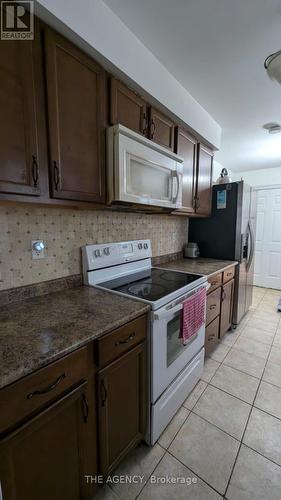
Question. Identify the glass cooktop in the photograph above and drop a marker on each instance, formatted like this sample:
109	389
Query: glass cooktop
152	284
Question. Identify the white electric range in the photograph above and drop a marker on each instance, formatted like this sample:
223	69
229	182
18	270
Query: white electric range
125	268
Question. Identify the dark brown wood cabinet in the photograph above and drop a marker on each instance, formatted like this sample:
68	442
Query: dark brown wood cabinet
219	307
213	305
23	158
161	129
186	147
76	118
127	108
48	456
122	406
226	307
212	335
204	180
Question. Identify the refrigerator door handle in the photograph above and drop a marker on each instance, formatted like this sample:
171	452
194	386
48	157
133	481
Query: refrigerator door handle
252	246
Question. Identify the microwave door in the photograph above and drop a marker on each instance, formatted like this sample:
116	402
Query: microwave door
150	183
143	172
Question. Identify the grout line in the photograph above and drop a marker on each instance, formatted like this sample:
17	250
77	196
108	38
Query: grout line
195	473
249	416
229	393
214	425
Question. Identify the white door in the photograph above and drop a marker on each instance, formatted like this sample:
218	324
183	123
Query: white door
268	239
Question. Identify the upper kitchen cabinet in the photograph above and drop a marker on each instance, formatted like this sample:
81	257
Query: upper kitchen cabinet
127	108
161	129
203	196
186	146
22	140
76	118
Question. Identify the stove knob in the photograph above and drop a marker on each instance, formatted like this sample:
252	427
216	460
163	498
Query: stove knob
106	251
140	246
97	253
145	246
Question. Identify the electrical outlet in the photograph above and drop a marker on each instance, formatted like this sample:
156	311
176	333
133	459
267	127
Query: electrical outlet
37	249
173	236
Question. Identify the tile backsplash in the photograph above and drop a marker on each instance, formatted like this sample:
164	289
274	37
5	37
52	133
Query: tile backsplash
65	230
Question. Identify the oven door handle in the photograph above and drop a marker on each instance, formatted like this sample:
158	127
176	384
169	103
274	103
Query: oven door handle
167	312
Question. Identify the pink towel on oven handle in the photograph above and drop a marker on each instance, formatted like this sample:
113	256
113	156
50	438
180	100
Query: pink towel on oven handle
193	315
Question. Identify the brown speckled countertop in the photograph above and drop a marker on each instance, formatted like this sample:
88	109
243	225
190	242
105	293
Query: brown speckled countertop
202	265
37	331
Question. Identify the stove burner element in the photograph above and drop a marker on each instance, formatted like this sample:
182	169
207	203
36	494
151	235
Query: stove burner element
145	289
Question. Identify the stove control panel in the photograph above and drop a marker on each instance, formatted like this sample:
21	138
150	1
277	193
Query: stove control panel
112	254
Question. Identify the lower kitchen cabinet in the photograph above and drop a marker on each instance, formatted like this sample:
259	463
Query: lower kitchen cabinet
213	305
48	456
122	407
212	335
219	307
226	307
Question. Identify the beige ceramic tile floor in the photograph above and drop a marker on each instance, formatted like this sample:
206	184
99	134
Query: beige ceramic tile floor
226	438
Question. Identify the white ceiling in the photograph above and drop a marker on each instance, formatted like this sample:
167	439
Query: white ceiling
216	50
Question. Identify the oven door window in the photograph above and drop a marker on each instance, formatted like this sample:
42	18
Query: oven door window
175	347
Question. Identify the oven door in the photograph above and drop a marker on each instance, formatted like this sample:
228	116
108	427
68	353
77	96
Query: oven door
168	354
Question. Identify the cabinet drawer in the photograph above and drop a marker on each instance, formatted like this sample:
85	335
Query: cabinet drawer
212	335
229	274
114	344
213	305
23	398
215	281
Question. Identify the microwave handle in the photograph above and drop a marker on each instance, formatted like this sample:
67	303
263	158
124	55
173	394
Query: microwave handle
175	175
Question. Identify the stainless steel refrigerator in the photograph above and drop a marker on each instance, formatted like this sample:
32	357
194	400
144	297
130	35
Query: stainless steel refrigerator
230	234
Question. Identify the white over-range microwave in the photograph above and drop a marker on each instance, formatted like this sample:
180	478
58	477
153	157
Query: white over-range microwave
140	172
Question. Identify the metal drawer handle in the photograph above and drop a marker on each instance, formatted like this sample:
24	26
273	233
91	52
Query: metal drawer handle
213	283
35	171
223	296
85	408
213	306
125	341
211	337
103	394
56	175
153	128
48	388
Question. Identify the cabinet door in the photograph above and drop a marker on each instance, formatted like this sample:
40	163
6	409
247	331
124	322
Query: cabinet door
213	305
76	103
226	307
22	138
122	406
161	129
127	108
204	180
48	457
186	146
212	335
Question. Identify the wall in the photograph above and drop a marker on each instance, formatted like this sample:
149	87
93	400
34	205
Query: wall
94	27
261	177
65	231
